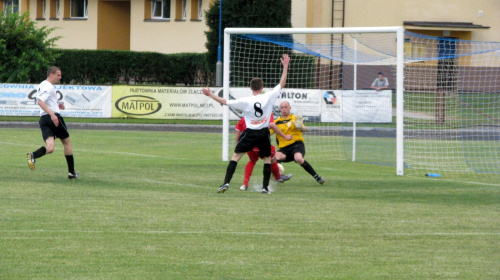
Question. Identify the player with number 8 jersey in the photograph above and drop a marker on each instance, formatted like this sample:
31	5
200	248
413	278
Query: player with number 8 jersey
257	110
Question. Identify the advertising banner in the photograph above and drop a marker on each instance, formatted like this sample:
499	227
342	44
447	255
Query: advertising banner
331	105
190	103
164	103
79	101
363	106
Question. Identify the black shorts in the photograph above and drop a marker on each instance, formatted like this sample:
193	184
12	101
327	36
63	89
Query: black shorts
290	150
49	129
250	139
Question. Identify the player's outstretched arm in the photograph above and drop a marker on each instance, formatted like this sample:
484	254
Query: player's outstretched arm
276	129
206	91
285	61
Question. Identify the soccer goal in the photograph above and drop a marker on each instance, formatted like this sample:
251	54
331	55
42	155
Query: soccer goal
434	110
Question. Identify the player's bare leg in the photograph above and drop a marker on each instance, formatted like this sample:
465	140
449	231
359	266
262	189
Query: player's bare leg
32	156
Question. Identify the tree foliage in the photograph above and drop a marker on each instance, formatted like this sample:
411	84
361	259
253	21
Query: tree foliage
25	50
244	13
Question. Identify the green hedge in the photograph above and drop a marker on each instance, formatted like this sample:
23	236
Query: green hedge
100	67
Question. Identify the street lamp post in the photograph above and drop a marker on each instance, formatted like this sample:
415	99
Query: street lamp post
218	66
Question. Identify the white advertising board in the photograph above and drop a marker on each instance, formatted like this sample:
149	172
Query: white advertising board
367	106
79	101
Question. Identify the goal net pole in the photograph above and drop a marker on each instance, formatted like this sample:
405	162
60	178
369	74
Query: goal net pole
399	31
225	94
400	60
355	88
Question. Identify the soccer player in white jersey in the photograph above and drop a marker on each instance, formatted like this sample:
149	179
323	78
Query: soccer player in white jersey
51	122
257	110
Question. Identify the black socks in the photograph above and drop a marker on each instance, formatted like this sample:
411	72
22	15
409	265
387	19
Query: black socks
40	152
267	176
309	169
231	167
71	164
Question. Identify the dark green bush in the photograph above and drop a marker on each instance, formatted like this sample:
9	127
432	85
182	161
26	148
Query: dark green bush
101	67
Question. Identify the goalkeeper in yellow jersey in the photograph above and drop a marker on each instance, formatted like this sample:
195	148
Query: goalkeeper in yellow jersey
294	149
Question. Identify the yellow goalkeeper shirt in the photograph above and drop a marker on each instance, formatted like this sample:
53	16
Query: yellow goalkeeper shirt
288	127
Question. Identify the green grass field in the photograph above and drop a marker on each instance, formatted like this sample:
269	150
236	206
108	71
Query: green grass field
146	207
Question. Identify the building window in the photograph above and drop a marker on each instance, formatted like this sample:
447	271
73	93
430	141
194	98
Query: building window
40	9
183	11
196	9
11	6
200	9
416	49
160	9
180	10
79	9
54	9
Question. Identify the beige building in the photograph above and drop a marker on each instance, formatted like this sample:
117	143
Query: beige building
477	20
173	26
168	26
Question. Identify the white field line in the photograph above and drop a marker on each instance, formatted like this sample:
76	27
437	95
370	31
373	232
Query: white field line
103	152
19	144
253	233
473	183
128	154
459	181
159	182
328	168
417	177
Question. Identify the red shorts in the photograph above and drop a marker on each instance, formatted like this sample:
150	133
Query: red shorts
254	154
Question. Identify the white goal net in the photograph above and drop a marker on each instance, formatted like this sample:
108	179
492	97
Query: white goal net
452	105
351	85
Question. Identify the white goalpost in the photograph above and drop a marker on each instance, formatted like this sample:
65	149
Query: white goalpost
436	115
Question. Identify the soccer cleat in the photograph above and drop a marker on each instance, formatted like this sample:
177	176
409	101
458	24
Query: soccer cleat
320	180
31	161
284	178
73	175
264	191
243	188
223	188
